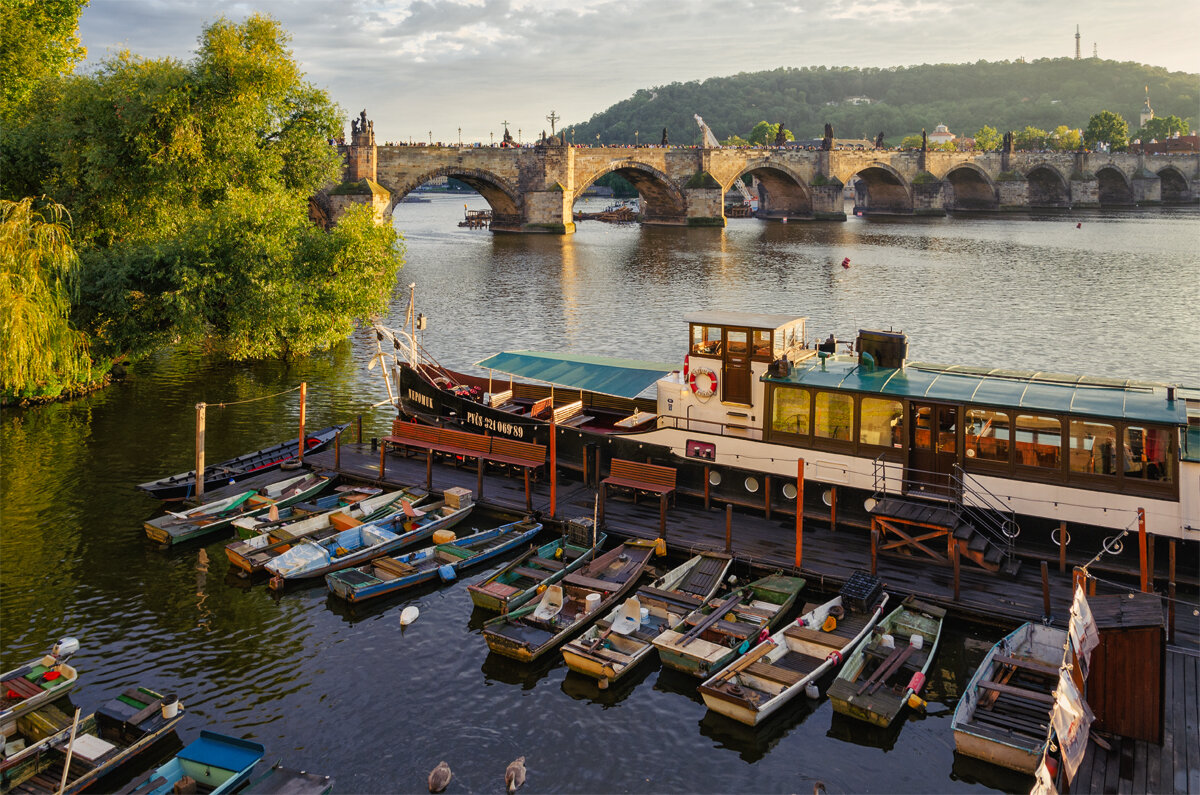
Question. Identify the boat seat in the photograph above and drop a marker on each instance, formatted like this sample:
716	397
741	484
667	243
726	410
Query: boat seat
548	563
393	566
775	673
550	605
533	574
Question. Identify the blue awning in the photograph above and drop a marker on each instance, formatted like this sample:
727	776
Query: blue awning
625	378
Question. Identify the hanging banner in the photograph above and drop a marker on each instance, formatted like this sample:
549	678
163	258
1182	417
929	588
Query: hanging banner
1071	720
1085	636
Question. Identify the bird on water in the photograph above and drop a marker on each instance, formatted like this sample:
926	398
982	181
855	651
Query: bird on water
514	776
439	777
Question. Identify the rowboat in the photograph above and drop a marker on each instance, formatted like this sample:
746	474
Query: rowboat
566	607
708	640
250	555
533	572
37	682
213	517
774	672
281	780
344	498
387	575
311	559
183	485
119	730
217	762
902	645
1004	713
615	644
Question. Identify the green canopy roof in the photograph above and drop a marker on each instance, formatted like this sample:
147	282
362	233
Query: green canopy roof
625	378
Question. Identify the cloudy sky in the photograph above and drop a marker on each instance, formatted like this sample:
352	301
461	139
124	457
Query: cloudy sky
438	65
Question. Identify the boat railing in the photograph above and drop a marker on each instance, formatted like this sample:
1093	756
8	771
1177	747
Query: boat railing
730	429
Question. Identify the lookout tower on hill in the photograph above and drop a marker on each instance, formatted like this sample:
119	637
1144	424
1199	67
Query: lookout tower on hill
1147	111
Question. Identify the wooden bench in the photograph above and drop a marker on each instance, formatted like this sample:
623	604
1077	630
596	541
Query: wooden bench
564	413
392	566
1028	665
540	407
548	563
1020	692
498	399
639	477
775	673
533	574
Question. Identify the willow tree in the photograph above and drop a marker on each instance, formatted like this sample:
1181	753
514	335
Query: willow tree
39	348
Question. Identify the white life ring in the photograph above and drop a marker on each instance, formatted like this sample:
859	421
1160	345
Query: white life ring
703	382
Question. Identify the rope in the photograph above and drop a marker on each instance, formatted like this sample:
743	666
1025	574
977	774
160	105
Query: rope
251	400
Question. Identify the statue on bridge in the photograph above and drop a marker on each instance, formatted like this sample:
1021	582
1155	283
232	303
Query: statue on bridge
1008	143
664	140
361	126
827	143
924	141
879	140
781	136
507	140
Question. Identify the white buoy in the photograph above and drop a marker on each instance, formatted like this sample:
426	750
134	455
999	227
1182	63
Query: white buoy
409	615
812	691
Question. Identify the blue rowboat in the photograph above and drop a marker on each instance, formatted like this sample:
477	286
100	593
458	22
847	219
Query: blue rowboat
217	762
532	572
443	561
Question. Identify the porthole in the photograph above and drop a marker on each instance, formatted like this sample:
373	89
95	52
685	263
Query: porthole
869	503
714	478
827	497
789	490
751	484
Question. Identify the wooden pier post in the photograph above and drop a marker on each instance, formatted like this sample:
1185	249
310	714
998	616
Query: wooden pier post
833	515
303	409
479	478
429	469
707	494
954	554
553	468
1062	547
1171	591
1142	549
799	511
200	411
1045	590
874	545
382	459
359	423
728	528
337	450
767	494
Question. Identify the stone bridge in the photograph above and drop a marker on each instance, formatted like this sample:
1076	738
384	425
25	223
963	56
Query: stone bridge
533	189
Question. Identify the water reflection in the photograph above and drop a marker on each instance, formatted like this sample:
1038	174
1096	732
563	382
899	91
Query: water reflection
752	743
585	688
505	670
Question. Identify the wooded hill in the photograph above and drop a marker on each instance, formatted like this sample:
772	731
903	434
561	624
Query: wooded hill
1007	95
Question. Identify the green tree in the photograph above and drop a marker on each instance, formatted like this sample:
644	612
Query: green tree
1108	128
1030	139
987	139
910	142
764	134
735	140
1064	139
1163	127
39	348
38	41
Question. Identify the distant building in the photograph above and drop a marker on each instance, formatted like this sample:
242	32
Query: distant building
1176	143
858	100
1147	111
941	135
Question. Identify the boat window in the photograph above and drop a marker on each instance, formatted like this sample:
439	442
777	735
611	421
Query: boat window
834	416
1093	448
879	422
921	435
988	435
762	344
1039	441
947	430
706	340
737	342
790	410
1146	452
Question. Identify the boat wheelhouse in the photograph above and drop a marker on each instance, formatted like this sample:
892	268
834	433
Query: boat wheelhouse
1000	452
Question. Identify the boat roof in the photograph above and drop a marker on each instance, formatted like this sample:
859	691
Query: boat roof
223	751
720	317
1143	401
625	378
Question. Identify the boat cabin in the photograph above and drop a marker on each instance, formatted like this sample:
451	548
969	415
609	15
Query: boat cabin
730	351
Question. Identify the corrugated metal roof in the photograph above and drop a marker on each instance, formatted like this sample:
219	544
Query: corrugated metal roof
619	377
1143	401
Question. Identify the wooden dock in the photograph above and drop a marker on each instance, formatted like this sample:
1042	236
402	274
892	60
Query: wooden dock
829	557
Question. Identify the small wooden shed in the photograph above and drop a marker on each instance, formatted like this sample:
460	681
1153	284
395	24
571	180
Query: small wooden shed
1126	679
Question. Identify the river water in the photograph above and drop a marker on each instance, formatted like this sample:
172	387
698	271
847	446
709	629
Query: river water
351	694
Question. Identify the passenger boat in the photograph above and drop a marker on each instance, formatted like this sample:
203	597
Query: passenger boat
311	559
773	673
388	575
280	780
103	741
708	640
1006	455
217	763
889	666
534	571
565	608
614	645
176	528
1003	716
250	555
37	682
183	485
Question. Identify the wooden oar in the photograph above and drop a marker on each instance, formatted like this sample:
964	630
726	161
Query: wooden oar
711	619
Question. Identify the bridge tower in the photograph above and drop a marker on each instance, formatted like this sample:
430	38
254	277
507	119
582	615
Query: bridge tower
359	179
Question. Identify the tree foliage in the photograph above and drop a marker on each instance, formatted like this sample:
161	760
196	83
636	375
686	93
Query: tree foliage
765	133
38	41
38	270
1107	128
1162	127
988	139
1005	95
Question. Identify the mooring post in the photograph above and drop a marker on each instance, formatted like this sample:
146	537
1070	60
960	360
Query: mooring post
767	494
359	422
553	468
954	555
874	545
1062	547
728	528
429	469
1045	590
382	459
707	493
1142	549
833	513
1171	591
303	408
337	450
200	409
800	511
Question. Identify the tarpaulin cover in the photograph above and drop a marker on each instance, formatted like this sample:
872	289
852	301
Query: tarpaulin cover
617	377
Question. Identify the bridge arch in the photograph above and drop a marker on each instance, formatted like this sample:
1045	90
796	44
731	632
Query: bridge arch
782	192
1048	187
1113	188
883	190
503	197
1175	187
969	187
660	199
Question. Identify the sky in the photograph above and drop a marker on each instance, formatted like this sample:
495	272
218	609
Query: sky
423	68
